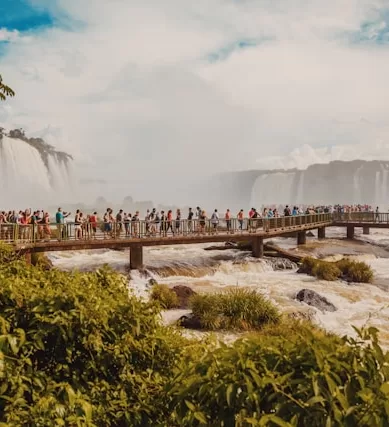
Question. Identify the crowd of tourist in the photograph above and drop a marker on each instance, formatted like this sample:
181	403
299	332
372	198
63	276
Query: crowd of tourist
153	223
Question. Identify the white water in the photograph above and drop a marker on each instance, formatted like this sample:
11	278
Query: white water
358	304
24	176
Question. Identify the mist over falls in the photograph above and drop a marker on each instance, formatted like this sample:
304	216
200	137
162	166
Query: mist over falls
32	172
350	182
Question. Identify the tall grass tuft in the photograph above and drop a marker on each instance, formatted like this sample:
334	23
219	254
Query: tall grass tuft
352	271
166	297
241	309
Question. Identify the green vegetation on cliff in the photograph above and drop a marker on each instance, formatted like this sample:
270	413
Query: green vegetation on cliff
79	349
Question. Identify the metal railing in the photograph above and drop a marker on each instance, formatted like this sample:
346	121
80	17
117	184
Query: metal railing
32	233
361	217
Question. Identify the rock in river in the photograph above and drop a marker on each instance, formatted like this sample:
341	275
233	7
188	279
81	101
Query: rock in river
190	322
314	299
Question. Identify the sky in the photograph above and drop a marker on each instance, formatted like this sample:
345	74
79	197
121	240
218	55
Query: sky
151	96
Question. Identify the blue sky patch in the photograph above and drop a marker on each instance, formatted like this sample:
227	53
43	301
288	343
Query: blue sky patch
225	51
22	16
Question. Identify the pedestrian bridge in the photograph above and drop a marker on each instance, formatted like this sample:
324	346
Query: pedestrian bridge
137	234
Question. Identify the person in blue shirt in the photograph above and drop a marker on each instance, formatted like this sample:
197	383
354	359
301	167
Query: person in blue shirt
60	220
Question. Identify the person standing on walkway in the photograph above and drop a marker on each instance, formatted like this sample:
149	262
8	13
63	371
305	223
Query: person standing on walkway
214	221
190	221
240	219
227	218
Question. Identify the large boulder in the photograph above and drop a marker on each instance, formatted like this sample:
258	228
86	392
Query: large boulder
314	299
184	293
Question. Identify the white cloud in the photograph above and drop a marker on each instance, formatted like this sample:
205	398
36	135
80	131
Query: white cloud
139	103
8	36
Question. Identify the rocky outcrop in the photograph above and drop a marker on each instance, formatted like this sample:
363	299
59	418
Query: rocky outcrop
44	149
316	300
184	293
190	322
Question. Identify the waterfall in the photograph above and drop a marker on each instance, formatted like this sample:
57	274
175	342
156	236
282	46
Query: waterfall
274	188
336	182
26	180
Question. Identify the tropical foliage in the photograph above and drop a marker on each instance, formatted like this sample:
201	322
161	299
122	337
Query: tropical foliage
5	90
77	349
300	377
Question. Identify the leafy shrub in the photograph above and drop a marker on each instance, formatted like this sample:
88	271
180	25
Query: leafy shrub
301	377
77	349
242	309
165	296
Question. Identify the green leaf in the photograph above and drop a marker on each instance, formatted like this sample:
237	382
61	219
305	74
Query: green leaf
200	417
229	393
190	405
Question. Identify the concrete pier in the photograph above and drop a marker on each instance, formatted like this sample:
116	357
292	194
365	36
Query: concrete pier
257	245
301	238
136	257
27	257
321	233
350	231
366	230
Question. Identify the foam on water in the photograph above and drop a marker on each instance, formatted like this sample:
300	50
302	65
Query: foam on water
357	304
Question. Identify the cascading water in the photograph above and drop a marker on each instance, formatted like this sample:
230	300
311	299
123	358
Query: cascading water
336	182
29	177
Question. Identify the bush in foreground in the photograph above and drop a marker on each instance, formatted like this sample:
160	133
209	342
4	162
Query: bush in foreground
77	349
352	271
165	296
242	309
296	376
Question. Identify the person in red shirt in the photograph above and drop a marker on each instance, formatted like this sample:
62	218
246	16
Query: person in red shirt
93	224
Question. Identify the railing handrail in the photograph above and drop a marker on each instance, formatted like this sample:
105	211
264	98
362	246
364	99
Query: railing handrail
31	233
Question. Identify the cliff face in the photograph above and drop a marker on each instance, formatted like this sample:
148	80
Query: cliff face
356	181
31	171
45	150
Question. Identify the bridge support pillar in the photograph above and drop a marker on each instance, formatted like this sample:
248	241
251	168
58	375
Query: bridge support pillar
257	245
321	233
301	238
350	232
366	230
136	257
27	257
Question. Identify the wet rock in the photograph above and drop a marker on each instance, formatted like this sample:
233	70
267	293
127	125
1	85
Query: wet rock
314	299
190	322
308	315
281	264
184	293
151	283
310	234
231	244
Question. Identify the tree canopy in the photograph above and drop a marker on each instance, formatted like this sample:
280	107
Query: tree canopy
5	91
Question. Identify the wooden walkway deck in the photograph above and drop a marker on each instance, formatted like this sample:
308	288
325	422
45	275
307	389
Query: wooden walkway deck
141	234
